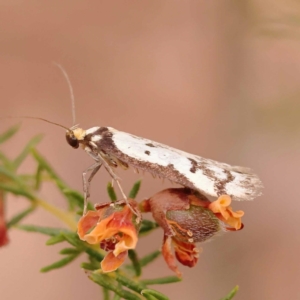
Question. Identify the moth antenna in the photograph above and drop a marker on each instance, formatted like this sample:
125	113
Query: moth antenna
70	88
41	119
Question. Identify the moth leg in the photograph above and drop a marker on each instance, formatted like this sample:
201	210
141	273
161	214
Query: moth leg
91	178
98	206
86	183
117	180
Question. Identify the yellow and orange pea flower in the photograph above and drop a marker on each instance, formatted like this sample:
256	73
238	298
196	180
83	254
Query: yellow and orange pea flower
186	217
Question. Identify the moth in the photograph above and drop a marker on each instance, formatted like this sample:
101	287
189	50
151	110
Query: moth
113	149
116	149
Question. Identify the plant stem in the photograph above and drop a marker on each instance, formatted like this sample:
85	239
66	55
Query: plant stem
61	215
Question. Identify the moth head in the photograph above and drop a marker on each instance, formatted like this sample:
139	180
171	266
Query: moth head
71	139
74	136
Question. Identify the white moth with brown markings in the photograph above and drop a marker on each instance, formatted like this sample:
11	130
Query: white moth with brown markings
113	148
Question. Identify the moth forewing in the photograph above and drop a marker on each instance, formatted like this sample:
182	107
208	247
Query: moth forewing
208	176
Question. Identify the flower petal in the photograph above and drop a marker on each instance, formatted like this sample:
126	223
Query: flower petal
100	232
111	262
220	205
234	219
186	253
128	241
168	255
225	213
87	222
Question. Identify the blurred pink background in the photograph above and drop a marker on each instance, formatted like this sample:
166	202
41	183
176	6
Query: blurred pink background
216	78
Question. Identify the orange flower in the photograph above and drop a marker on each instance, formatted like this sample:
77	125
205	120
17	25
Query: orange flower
188	217
113	227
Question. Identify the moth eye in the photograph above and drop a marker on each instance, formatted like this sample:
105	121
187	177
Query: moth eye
72	140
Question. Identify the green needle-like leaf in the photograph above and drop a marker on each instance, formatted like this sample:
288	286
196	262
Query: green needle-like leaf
55	240
147	226
16	190
46	166
129	283
94	262
9	133
116	297
135	189
154	293
76	198
59	182
68	251
42	161
107	282
17	218
95	254
88	266
7	163
149	258
162	280
231	293
31	144
44	230
111	192
73	239
28	180
138	287
105	293
59	264
10	175
135	262
149	297
38	177
133	285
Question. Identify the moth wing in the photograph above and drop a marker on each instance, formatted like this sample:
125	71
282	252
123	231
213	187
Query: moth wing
205	175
